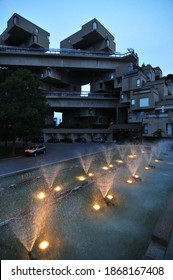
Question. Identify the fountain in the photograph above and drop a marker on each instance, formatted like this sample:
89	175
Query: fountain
53	216
86	162
27	228
133	162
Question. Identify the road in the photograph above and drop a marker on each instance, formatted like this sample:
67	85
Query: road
55	152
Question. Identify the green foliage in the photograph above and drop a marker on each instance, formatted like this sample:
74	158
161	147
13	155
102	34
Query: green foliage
22	106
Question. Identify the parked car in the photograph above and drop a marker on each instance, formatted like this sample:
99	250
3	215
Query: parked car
99	140
81	140
39	139
66	140
53	140
34	150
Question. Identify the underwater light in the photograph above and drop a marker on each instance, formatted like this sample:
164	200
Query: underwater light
43	245
129	181
58	188
147	168
96	207
109	196
81	178
105	167
41	195
119	161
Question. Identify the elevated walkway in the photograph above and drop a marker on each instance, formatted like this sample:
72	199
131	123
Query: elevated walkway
80	99
62	58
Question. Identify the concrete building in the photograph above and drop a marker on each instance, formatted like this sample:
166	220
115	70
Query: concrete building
23	33
124	100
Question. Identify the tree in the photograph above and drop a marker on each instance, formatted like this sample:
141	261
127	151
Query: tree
22	105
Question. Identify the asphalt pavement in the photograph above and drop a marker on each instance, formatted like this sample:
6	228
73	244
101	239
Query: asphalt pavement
56	152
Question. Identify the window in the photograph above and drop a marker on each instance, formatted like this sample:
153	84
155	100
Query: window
94	25
15	20
111	76
149	76
133	103
35	39
129	68
122	97
101	85
138	82
107	43
144	102
169	89
37	30
169	129
145	128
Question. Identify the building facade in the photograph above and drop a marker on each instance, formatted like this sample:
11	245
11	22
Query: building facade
124	100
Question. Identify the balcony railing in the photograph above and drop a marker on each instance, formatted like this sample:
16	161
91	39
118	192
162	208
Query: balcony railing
64	51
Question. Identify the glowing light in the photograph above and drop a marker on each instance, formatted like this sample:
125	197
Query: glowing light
105	167
132	156
96	207
43	245
129	181
147	168
119	160
136	176
58	188
41	195
109	196
90	174
110	165
156	160
81	178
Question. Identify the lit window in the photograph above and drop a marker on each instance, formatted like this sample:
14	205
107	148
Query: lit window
94	25
111	75
138	82
144	102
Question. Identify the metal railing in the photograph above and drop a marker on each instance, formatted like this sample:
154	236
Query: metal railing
64	51
82	94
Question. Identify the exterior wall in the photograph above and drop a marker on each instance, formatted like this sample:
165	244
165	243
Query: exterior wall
158	126
92	36
29	34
